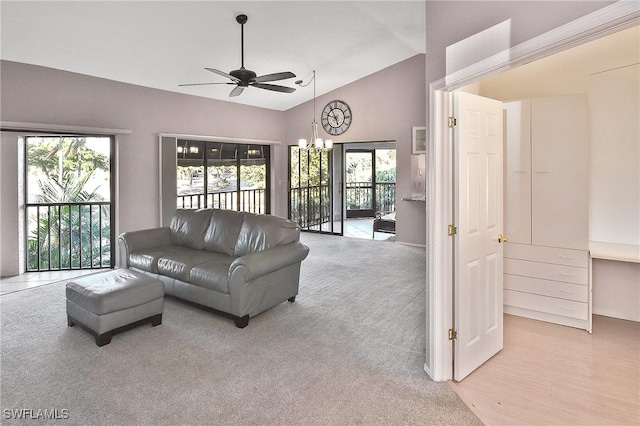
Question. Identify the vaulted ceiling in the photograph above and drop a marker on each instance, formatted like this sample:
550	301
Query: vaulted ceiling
162	44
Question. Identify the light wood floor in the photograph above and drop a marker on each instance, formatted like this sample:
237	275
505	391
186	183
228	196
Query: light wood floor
553	375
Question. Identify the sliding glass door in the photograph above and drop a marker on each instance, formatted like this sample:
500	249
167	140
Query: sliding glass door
311	202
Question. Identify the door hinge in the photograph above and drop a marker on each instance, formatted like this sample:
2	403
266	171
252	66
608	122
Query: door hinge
452	121
453	334
452	230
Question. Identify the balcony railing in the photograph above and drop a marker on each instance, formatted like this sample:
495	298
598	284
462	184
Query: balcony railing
359	196
66	236
310	206
385	196
251	200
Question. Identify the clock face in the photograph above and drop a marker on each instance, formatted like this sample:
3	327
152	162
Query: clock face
336	118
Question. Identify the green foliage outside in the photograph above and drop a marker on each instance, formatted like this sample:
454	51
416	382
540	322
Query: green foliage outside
57	158
310	203
310	181
385	165
220	178
67	170
222	185
310	168
359	176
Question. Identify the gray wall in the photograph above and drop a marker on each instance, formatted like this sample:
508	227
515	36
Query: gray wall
9	217
42	95
449	22
33	94
385	106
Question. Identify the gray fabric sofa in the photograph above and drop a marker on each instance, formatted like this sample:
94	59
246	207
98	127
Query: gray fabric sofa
238	263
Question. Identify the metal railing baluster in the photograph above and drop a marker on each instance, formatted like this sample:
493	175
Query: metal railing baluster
55	221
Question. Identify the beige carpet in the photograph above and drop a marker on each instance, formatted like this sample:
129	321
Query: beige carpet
350	350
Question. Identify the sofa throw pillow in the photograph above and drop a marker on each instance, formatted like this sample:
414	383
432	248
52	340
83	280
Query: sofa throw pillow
188	228
262	231
223	230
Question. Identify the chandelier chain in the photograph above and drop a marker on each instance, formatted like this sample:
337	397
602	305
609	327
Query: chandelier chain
315	141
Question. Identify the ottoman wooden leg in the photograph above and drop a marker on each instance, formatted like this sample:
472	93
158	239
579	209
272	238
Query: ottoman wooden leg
104	338
69	321
156	320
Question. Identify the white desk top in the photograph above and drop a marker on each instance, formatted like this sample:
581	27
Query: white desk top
615	251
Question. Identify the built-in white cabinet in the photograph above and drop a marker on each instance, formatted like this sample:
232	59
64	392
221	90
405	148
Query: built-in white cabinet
546	261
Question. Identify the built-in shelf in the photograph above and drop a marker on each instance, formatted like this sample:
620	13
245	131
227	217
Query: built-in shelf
615	251
423	199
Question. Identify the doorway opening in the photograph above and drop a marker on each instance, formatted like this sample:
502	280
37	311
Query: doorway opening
369	190
370	183
440	297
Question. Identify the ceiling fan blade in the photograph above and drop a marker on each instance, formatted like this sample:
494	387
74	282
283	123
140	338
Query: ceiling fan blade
274	77
274	87
200	84
236	91
223	74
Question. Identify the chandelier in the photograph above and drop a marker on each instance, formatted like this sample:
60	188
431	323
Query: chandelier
315	141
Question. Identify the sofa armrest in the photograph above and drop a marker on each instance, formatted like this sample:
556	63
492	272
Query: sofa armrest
130	242
263	262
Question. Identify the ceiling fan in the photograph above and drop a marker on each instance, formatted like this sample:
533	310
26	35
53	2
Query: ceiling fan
244	78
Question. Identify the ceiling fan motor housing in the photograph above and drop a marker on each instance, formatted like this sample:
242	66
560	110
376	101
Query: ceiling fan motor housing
244	75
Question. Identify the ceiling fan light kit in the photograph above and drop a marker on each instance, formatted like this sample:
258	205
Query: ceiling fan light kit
245	78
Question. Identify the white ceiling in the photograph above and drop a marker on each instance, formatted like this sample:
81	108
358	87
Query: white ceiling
162	44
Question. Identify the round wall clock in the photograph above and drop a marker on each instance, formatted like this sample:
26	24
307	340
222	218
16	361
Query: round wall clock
336	117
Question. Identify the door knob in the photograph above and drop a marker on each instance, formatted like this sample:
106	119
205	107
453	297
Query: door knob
502	239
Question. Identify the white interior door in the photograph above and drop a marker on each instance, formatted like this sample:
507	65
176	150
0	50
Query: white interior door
478	216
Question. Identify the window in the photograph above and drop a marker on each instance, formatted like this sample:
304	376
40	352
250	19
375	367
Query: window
235	176
68	193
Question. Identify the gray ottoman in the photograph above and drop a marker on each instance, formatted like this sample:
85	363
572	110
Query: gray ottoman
110	300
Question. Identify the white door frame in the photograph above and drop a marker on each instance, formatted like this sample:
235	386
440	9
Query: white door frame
608	20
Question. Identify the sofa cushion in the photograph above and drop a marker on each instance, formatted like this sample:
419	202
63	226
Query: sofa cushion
213	274
188	228
147	259
223	230
261	231
177	262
